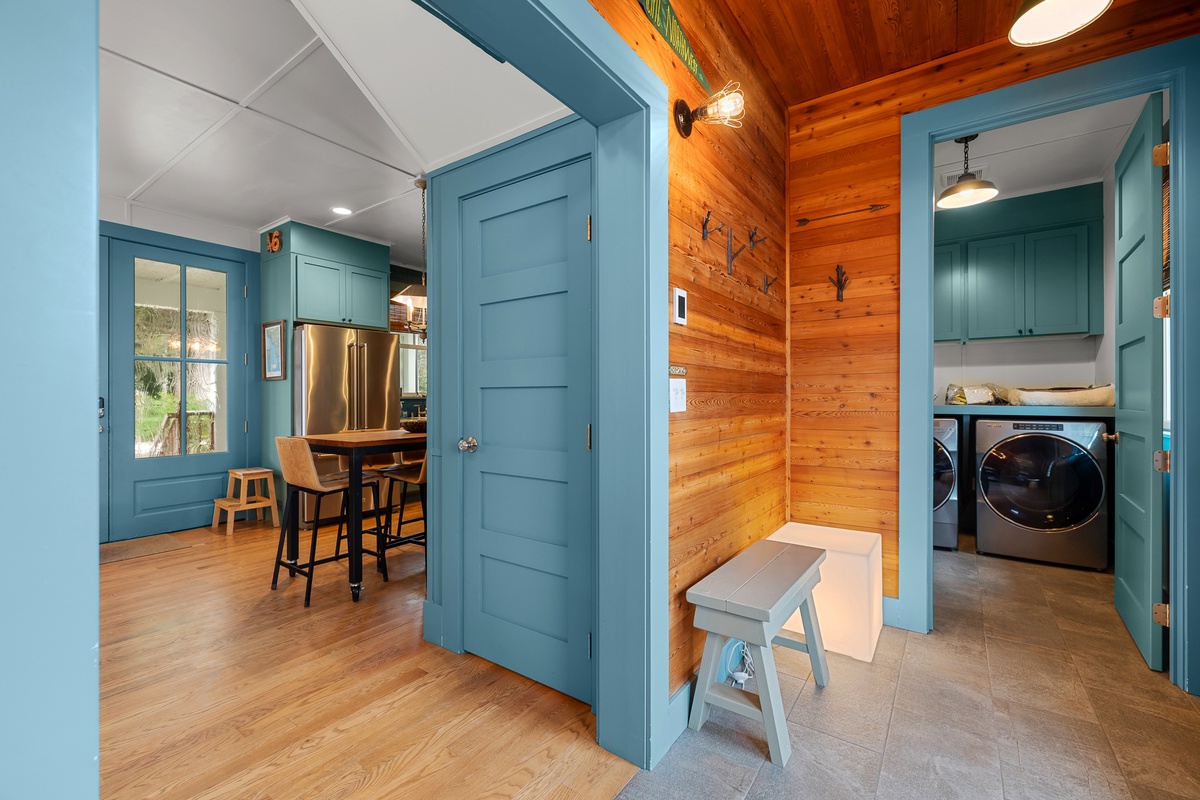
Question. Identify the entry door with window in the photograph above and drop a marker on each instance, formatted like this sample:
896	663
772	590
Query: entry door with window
177	404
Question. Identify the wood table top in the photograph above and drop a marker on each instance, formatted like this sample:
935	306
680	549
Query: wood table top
374	438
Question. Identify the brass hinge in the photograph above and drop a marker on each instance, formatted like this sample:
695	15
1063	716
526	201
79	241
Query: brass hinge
589	437
1162	614
1162	460
1162	306
589	227
1160	156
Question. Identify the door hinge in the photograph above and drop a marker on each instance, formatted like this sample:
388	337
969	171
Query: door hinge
246	358
1162	614
1162	460
1162	307
1160	155
589	645
245	426
589	436
245	291
589	227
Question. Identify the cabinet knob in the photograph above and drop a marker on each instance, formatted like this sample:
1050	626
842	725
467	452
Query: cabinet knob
1031	331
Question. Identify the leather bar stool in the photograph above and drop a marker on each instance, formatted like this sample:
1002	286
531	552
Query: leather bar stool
406	475
300	474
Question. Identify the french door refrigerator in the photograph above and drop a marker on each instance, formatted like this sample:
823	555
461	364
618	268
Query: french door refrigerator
343	379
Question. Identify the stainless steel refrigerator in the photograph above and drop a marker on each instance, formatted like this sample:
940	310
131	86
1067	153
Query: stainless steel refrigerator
343	379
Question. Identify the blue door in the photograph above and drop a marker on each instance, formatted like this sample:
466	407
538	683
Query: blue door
1138	557
176	410
527	388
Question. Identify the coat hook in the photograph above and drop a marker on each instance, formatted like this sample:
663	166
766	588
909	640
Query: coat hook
704	229
768	282
842	280
730	253
753	241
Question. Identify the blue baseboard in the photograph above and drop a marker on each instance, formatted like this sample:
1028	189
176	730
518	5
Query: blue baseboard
678	709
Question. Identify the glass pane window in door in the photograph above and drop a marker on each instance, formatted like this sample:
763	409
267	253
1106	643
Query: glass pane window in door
206	409
156	292
206	304
156	404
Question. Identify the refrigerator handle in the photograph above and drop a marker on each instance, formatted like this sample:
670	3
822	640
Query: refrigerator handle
352	383
365	418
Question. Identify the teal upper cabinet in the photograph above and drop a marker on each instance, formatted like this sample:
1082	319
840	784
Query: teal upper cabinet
996	288
315	275
948	300
1033	266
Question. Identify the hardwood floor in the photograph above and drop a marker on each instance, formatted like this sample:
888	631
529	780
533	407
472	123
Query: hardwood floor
214	686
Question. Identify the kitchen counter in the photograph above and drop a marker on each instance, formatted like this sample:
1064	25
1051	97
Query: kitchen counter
1024	411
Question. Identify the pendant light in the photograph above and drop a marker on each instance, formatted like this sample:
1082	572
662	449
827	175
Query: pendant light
1044	21
968	190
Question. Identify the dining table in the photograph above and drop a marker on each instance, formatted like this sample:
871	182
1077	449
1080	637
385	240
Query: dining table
355	446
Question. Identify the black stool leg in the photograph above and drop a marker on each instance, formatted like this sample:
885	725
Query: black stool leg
380	535
288	510
312	551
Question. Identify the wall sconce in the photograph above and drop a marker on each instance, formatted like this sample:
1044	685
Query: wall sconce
726	107
1044	21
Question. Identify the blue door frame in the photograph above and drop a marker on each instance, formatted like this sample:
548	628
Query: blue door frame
1175	67
571	51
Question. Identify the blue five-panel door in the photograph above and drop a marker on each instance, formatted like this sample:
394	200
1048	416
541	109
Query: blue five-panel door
176	409
526	327
1138	560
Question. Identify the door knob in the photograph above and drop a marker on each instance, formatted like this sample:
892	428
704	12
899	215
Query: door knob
1111	437
468	445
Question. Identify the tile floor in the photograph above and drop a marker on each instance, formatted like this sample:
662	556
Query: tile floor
1029	687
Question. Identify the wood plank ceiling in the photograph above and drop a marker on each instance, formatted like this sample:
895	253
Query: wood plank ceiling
816	47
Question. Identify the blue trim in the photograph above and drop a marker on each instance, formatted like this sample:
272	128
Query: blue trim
513	142
172	242
50	723
572	52
1175	67
102	352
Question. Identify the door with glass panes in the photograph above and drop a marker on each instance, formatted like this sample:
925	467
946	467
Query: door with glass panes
176	411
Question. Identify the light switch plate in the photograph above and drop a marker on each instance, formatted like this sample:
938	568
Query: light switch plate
679	307
678	394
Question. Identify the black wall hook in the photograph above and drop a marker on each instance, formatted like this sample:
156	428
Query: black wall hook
753	241
842	280
730	253
768	282
705	230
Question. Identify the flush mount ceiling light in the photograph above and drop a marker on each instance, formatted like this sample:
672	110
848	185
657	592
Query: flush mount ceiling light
1044	21
726	107
968	190
341	210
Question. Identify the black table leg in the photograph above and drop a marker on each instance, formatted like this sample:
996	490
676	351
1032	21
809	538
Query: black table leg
354	545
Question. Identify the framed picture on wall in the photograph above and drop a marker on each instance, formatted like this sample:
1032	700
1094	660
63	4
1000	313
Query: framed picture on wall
274	361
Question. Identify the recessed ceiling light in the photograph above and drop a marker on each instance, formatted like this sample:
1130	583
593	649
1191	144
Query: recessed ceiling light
341	210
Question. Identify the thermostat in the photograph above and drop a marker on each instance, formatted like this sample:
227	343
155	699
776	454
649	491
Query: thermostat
679	307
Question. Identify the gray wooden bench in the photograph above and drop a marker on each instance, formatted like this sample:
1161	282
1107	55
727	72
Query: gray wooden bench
750	597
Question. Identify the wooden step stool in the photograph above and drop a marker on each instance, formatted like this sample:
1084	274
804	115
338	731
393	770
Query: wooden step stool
246	479
750	597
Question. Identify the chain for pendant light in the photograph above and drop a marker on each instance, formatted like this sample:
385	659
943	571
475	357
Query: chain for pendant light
421	184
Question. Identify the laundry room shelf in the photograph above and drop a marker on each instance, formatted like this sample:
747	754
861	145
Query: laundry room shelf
1100	412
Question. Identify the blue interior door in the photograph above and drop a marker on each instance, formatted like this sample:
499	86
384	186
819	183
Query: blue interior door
526	326
176	408
1138	556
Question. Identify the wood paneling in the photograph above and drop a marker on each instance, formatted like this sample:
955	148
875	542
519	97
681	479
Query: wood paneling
728	451
844	153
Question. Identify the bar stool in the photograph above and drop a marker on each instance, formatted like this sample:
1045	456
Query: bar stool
406	475
300	474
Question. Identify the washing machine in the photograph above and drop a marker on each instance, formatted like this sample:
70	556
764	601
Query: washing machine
945	482
1041	490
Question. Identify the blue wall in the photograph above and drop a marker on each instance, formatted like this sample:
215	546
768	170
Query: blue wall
49	716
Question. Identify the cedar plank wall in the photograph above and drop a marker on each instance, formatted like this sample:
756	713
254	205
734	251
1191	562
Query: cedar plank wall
728	471
843	154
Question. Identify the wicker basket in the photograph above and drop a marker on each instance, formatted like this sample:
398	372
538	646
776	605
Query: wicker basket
413	425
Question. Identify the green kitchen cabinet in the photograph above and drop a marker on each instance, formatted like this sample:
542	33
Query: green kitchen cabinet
327	291
948	301
996	287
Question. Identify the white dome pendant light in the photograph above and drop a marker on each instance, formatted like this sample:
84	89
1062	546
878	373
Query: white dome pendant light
1044	21
968	190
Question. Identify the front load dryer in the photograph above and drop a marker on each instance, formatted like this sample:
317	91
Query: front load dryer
945	482
1042	490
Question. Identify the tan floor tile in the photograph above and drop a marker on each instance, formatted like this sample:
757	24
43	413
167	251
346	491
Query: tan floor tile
928	758
1157	745
1021	621
1037	676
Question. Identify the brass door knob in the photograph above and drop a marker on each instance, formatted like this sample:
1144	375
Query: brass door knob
1111	437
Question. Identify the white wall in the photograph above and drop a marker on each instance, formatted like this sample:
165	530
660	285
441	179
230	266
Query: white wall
1105	358
1041	363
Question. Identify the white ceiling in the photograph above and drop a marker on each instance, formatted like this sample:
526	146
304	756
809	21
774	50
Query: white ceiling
1055	152
220	118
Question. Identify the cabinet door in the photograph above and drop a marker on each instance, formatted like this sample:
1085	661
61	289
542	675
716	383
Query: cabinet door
948	302
1056	281
319	290
996	288
366	297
